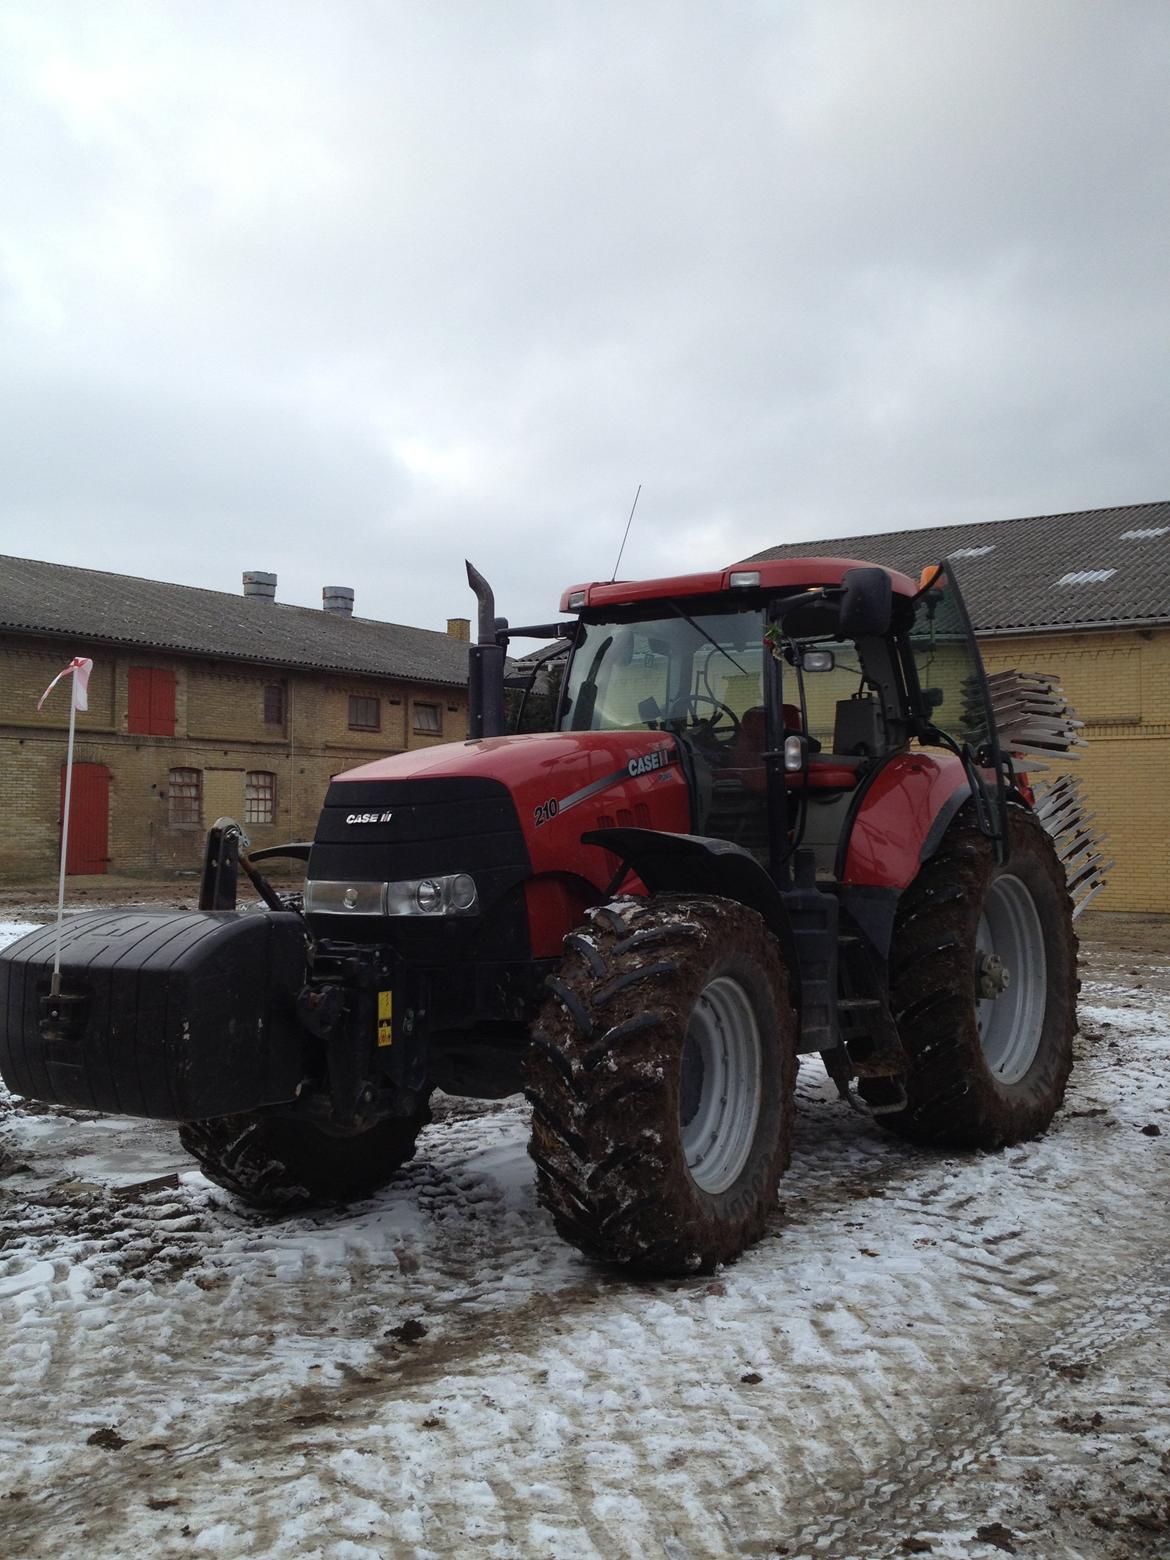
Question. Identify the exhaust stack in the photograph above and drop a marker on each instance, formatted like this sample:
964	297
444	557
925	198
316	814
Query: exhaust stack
485	678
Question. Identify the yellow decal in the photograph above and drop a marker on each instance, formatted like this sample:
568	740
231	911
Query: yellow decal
385	1018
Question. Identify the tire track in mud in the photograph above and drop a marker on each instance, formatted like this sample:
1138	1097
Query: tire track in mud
1023	1279
838	1435
117	1229
902	1492
863	1494
463	1330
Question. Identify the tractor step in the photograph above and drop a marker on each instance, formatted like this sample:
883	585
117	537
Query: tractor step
870	1044
867	1108
814	916
890	1107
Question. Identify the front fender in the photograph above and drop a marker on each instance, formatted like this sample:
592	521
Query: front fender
694	864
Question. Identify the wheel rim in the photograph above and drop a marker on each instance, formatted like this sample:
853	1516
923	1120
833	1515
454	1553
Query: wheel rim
719	1095
1009	943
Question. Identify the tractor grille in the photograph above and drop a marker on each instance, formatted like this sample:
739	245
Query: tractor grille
395	830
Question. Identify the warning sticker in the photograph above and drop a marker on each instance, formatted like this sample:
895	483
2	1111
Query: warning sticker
385	1018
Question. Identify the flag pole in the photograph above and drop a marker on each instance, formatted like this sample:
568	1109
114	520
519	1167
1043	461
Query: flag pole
55	984
78	669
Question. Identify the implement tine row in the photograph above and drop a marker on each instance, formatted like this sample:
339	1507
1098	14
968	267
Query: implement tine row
1060	807
1032	714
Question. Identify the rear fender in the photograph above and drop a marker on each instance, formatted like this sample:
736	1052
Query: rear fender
902	817
694	864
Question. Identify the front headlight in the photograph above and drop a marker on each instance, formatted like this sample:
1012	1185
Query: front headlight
344	898
453	894
463	893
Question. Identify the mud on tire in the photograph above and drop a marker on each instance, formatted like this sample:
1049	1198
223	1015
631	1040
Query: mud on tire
668	1037
278	1162
986	1072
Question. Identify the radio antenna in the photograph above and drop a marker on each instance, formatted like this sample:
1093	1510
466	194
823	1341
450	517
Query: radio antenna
622	548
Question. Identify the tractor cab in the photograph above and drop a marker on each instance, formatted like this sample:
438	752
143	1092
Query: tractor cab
787	687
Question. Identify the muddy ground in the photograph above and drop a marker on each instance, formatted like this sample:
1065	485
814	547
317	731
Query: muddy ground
961	1355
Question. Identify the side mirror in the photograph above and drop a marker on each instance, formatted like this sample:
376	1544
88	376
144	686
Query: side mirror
867	600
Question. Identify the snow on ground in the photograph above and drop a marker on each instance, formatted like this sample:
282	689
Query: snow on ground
957	1355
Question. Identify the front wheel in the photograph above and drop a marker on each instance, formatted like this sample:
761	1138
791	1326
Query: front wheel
281	1162
661	1076
983	988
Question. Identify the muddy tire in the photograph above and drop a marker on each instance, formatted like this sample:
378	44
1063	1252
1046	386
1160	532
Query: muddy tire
275	1162
661	1076
983	987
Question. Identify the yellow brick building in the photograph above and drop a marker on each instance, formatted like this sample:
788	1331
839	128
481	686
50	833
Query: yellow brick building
1119	684
201	705
1086	597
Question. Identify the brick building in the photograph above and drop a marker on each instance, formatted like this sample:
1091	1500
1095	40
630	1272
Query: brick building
200	704
1085	596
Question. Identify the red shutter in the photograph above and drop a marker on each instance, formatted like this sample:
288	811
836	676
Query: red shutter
162	703
89	818
151	711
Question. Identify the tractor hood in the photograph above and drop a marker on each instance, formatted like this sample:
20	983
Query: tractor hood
544	757
554	787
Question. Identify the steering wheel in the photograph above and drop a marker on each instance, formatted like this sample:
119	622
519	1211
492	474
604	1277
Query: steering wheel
716	728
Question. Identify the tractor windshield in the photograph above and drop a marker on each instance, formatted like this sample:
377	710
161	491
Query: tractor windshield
949	686
696	673
948	669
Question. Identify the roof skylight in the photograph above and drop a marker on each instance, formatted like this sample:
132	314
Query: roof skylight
973	552
1086	576
1145	533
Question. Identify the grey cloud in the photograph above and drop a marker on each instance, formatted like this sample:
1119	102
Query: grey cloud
382	285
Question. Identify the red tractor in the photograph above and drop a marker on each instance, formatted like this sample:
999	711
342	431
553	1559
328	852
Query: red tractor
772	818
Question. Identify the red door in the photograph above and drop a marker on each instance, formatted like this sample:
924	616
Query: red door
89	819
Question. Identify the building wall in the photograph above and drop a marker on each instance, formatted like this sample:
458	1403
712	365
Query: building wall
1119	683
220	731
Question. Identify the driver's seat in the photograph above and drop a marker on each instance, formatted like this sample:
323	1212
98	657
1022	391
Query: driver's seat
745	759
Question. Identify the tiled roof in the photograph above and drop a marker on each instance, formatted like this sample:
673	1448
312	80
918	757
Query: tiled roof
1096	568
88	605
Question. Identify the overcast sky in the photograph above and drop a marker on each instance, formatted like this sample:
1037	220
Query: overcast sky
350	290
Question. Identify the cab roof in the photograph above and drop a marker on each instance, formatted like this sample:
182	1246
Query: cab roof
774	574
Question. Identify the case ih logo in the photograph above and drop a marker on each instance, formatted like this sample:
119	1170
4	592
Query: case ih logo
376	817
649	762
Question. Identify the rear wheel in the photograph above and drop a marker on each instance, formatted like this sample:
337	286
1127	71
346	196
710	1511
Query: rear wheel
661	1077
983	987
280	1162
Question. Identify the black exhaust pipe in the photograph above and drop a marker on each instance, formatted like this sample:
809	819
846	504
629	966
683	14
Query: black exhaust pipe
485	679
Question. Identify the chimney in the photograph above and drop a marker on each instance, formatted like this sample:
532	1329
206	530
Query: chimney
459	628
262	586
337	598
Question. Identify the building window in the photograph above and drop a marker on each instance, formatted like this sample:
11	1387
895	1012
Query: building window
185	796
259	796
273	705
428	719
151	707
364	714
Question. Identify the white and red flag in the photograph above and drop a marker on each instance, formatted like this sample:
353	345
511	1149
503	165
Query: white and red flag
80	667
